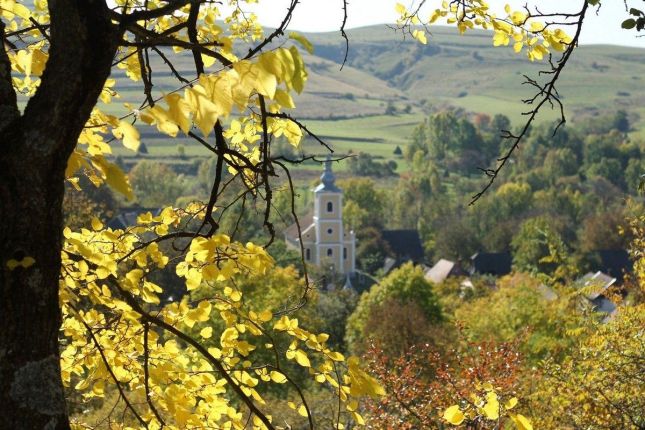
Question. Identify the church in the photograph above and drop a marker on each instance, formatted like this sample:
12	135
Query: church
324	240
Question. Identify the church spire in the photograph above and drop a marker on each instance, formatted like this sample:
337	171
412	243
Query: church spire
327	178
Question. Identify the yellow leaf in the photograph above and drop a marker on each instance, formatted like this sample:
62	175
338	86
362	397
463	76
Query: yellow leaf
206	332
521	422
454	415
25	263
491	408
284	98
199	314
115	178
299	74
178	111
303	411
219	89
193	279
161	117
208	60
278	377
360	382
129	135
205	113
400	9
510	404
302	359
518	18
265	81
75	162
96	224
28	262
420	35
336	356
303	41
38	61
500	38
265	316
229	335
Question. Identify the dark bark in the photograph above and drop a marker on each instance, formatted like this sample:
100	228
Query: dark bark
34	149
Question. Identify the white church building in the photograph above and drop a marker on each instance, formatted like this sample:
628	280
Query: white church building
325	241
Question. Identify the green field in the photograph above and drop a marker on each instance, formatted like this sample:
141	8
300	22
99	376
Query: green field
347	108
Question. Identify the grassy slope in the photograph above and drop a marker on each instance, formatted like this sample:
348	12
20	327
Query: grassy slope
452	70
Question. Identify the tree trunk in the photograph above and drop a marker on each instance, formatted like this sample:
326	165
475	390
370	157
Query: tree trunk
34	148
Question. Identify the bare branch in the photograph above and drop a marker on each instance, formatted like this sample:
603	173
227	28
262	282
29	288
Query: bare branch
344	34
547	93
277	32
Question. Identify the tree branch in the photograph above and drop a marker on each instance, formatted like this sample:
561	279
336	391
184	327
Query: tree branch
547	93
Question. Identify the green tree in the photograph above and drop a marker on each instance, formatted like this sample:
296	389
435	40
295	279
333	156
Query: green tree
538	248
598	385
364	204
519	309
371	250
156	185
403	285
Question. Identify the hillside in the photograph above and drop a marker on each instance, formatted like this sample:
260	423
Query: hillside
348	106
467	71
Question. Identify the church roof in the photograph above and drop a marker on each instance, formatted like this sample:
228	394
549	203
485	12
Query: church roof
328	179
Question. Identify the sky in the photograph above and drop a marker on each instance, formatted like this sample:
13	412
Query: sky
326	15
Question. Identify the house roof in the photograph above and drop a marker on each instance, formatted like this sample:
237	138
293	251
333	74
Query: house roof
306	222
440	271
547	292
388	265
128	217
595	284
492	263
603	304
615	262
405	244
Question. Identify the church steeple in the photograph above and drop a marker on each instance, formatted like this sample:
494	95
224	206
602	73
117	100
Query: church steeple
328	179
325	242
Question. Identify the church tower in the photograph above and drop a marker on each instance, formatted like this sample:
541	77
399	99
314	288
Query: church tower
324	239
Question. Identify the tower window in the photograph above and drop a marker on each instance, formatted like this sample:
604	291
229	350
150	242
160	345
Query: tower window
330	252
308	254
330	231
344	253
330	207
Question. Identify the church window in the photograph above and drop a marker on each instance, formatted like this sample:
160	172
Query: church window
308	254
344	253
329	252
330	207
330	231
